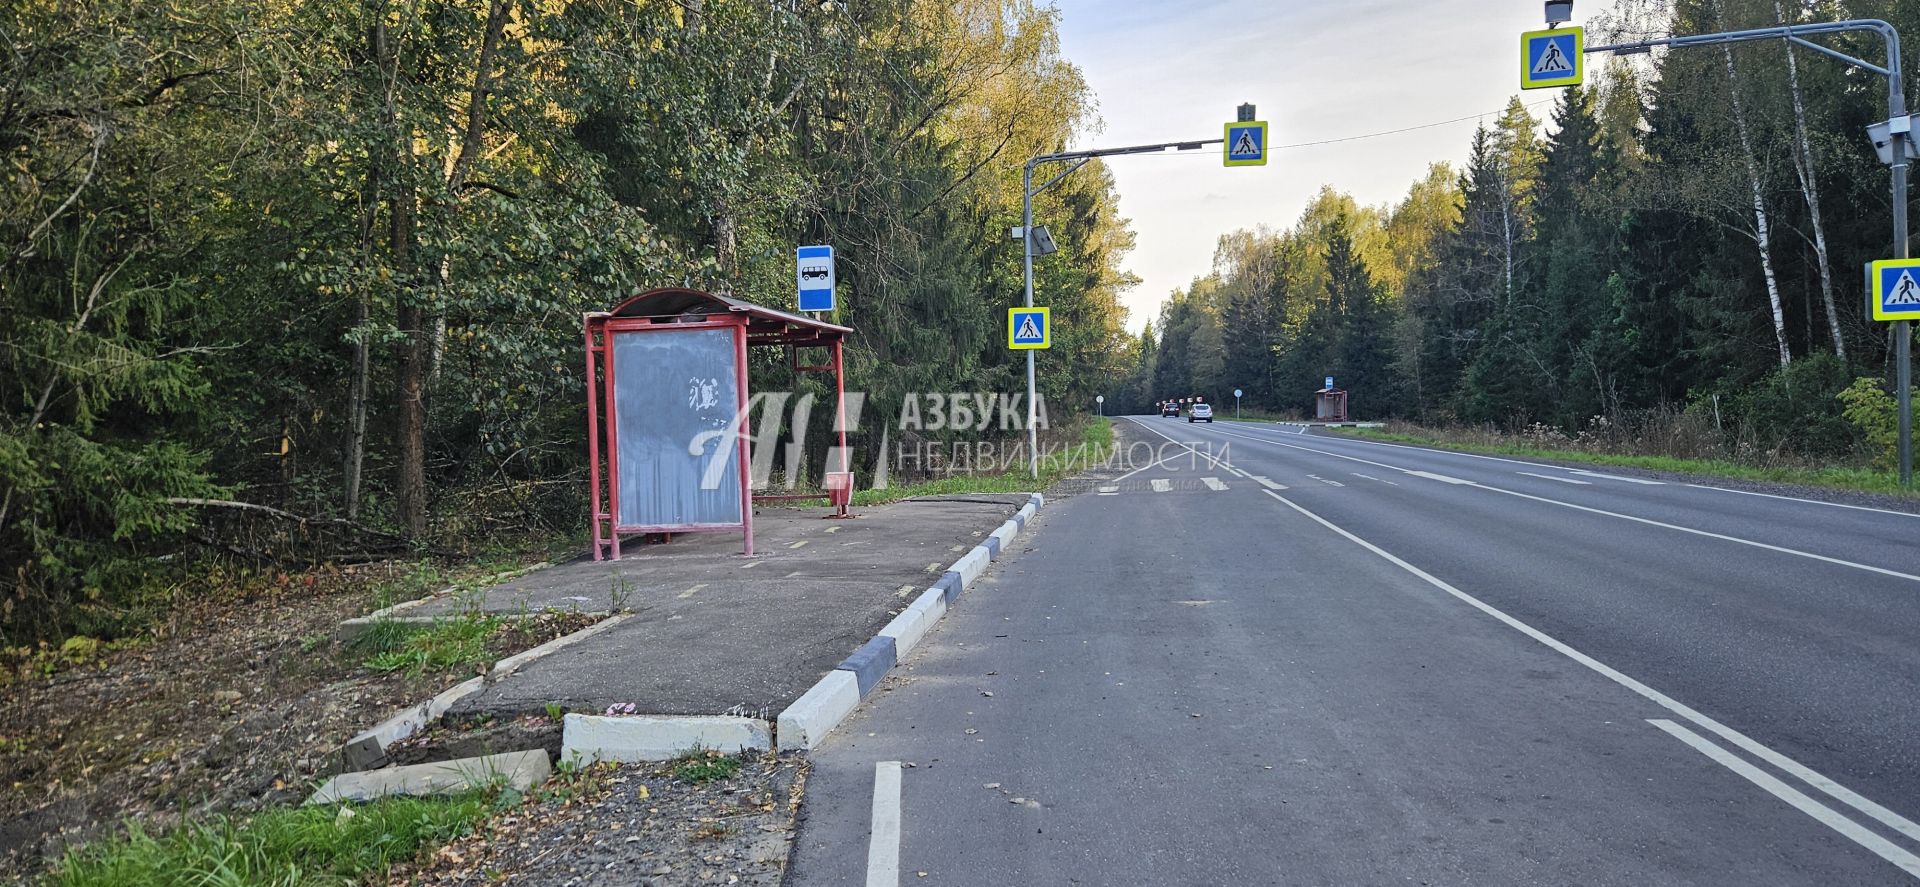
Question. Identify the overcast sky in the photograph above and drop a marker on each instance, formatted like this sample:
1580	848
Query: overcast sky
1316	69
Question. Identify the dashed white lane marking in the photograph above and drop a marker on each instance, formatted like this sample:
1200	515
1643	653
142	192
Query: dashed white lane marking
1109	490
883	843
1331	483
1441	478
1826	815
801	544
1630	480
1564	480
1161	485
692	591
1740	740
1374	479
1213	483
1267	483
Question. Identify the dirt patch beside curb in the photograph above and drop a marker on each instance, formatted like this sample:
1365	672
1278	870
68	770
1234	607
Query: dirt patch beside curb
635	826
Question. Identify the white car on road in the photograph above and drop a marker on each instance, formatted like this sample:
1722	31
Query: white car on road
1200	412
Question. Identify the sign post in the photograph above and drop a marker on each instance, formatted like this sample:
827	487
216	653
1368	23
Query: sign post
1077	159
1100	401
813	270
1236	404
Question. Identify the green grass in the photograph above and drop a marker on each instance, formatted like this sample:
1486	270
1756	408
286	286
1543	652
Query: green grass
282	848
443	645
702	766
1095	437
1836	478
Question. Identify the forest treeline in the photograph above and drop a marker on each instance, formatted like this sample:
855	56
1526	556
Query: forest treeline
1679	243
277	270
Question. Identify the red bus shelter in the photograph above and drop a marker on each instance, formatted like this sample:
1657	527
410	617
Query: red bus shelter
667	410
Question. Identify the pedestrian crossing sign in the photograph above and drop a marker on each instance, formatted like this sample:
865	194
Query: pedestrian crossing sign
1553	58
1246	143
1029	329
1896	289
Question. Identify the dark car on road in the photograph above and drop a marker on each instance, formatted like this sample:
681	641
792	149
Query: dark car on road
1170	409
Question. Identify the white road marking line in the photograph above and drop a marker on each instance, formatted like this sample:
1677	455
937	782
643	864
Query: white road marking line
1267	483
1331	483
1238	472
1211	460
1110	490
933	568
1792	767
692	591
1564	480
1807	501
1632	480
1375	479
801	544
1639	520
833	529
1214	484
751	564
883	843
1827	816
1442	478
1161	484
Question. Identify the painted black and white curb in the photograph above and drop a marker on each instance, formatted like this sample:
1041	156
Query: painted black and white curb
809	719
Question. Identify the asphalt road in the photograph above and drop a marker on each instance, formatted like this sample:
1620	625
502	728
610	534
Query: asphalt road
1328	661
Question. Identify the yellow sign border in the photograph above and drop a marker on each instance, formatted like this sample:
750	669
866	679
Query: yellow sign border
1879	310
1226	143
1046	328
1579	59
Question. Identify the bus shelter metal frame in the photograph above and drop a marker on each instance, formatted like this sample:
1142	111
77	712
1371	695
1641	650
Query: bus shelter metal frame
677	309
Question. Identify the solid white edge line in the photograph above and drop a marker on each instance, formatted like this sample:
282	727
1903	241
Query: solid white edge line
1800	771
1896	574
1825	815
1806	501
883	847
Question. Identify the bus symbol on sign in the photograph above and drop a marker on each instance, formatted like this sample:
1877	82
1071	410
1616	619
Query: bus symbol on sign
813	270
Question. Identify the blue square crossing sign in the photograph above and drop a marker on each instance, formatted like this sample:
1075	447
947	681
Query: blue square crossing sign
1246	144
1553	58
1896	289
1029	329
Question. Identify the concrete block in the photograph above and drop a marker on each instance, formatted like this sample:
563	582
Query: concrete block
520	770
993	546
806	723
589	738
1005	534
1037	501
913	623
972	565
1026	513
871	662
412	720
950	586
364	753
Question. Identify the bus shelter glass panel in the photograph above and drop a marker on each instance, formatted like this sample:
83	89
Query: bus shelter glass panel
676	410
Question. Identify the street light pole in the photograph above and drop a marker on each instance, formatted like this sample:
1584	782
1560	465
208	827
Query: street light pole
1898	136
1027	193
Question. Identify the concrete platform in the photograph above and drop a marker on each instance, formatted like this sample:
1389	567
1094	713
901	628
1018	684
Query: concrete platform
717	633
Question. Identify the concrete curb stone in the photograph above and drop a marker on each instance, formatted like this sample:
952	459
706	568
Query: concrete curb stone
587	739
521	770
806	723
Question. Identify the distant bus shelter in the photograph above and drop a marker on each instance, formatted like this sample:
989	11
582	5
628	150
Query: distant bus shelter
667	397
1330	405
